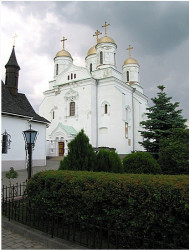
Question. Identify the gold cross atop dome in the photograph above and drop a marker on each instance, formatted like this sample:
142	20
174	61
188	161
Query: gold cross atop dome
129	49
14	39
105	26
63	40
97	33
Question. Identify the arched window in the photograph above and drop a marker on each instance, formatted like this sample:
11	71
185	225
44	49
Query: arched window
56	69
101	57
71	75
106	109
91	67
127	76
74	76
72	108
68	77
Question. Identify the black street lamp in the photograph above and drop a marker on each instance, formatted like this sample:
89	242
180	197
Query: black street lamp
30	137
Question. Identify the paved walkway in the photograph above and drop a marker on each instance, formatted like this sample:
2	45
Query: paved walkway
52	163
11	240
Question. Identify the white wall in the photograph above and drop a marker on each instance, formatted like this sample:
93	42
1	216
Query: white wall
16	155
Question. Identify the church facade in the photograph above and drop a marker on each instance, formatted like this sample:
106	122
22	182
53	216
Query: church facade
109	105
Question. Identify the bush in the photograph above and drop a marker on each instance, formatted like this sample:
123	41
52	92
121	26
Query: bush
108	161
174	152
144	206
81	155
141	162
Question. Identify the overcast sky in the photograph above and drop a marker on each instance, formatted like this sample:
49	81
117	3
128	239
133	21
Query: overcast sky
158	31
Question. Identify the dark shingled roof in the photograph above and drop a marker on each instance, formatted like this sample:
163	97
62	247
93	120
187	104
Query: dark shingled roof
12	60
18	105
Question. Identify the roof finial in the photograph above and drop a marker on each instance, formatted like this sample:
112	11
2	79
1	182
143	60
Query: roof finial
129	49
63	40
14	39
105	26
97	33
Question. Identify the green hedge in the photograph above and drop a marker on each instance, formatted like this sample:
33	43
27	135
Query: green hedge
147	206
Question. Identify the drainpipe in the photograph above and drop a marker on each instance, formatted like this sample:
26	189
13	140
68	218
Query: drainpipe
97	113
134	89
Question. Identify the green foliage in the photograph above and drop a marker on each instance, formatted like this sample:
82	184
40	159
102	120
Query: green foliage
81	155
146	206
108	161
141	163
161	118
11	174
174	152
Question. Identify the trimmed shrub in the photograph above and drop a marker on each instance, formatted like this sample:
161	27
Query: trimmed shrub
143	206
81	155
108	161
141	163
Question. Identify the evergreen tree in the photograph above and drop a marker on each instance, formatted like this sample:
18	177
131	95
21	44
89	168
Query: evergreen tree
162	117
81	155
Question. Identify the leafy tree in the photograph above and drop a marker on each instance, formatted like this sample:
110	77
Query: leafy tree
174	152
141	163
162	117
81	155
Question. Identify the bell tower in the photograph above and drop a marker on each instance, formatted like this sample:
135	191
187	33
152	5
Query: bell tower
12	73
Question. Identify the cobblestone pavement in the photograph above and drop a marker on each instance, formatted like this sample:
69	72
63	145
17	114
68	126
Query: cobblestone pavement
12	240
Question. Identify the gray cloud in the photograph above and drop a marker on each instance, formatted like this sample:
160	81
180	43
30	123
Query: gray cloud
158	31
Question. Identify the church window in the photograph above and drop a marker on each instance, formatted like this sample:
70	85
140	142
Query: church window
126	130
74	76
101	57
71	76
72	108
56	69
68	77
106	109
91	67
53	114
127	76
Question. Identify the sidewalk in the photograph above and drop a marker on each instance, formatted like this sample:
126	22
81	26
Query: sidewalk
18	236
52	163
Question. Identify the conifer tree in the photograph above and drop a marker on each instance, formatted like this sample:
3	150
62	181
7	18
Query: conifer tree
161	118
81	155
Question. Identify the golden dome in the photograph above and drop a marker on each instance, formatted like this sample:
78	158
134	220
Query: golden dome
63	52
91	51
106	39
130	60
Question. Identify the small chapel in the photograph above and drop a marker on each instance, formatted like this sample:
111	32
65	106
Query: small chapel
108	104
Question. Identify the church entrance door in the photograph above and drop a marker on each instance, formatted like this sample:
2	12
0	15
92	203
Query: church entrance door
61	148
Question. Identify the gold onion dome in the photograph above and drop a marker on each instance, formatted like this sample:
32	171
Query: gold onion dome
130	60
62	53
91	51
106	39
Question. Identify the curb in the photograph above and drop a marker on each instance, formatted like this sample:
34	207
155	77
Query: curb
38	236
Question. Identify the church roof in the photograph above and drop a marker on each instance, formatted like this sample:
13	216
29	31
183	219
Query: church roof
12	60
106	39
130	60
62	53
18	105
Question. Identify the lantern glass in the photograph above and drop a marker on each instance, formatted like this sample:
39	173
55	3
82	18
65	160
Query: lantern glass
30	135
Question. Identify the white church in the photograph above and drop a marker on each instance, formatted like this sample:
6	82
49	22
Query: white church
108	104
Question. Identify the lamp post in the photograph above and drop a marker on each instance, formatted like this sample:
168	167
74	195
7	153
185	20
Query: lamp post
30	137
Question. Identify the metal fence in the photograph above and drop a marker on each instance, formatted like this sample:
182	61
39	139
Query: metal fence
13	192
91	234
